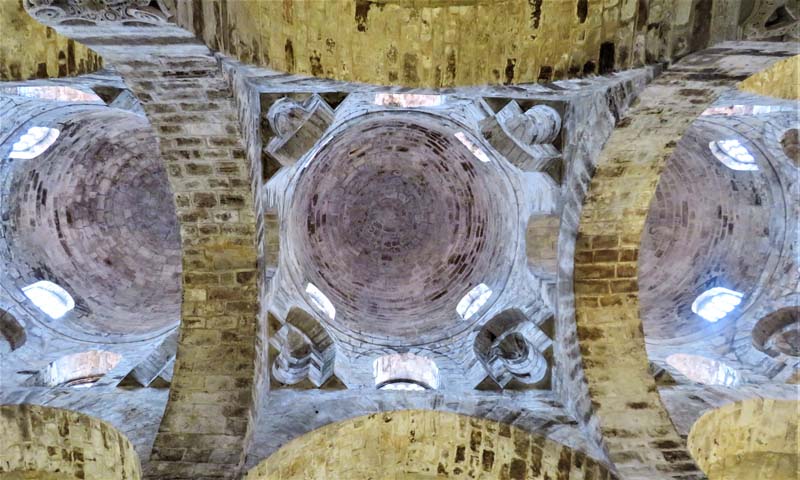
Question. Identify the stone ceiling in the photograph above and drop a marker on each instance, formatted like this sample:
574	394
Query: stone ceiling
333	236
397	220
703	217
95	216
456	43
401	219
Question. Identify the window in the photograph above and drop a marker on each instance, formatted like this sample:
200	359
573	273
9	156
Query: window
35	141
703	370
66	94
714	304
473	301
730	110
320	300
733	154
405	371
476	150
407	100
49	298
78	370
404	386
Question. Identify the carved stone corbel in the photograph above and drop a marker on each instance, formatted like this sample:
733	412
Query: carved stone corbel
304	350
526	138
297	127
515	351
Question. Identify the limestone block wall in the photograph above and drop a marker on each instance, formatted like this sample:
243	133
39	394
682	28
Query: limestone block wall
425	444
781	80
28	49
755	438
439	43
42	442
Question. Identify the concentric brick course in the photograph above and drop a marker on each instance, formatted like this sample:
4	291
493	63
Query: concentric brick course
94	214
395	221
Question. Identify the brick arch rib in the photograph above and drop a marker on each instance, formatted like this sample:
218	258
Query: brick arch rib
205	426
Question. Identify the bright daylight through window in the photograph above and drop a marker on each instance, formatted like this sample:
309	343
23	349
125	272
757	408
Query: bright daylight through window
733	154
714	304
49	298
320	300
473	301
34	142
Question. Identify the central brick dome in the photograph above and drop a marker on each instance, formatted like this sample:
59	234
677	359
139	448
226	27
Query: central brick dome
395	219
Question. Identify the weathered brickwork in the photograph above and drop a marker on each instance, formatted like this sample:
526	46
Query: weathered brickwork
48	441
592	108
424	444
190	107
583	146
302	411
780	80
751	439
276	181
639	435
31	50
437	43
703	216
81	202
686	403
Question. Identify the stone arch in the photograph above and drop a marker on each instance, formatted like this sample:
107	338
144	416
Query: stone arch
11	330
369	33
755	438
180	87
50	443
30	50
626	407
390	445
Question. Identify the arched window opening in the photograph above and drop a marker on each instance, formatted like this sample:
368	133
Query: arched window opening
60	93
729	110
405	371
479	153
408	100
79	370
321	301
716	303
733	154
403	386
541	244
33	143
703	370
49	298
473	301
